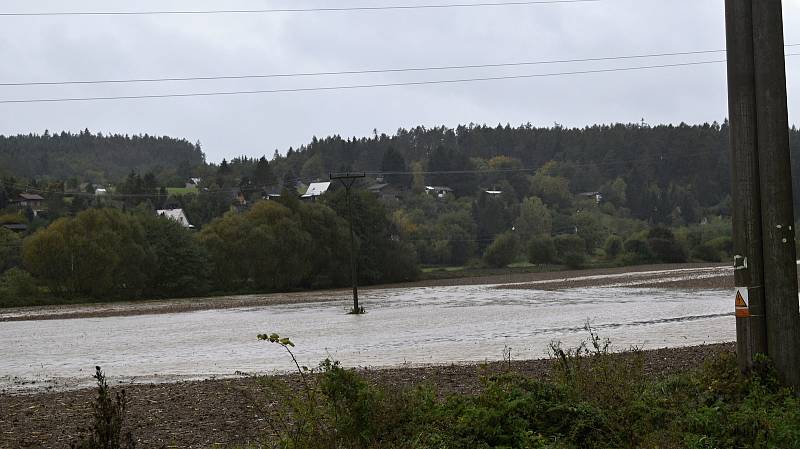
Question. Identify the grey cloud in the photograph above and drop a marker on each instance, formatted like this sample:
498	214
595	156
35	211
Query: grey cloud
77	48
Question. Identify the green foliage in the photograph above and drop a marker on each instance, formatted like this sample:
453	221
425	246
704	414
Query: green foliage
591	229
613	246
10	249
393	161
180	264
97	158
534	219
17	287
503	251
593	399
706	253
267	245
664	247
637	251
722	244
571	250
381	257
493	214
541	250
553	190
108	429
99	253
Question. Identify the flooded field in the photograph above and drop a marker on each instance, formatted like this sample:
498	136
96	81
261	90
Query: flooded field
425	325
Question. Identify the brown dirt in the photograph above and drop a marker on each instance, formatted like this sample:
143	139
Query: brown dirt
220	413
560	279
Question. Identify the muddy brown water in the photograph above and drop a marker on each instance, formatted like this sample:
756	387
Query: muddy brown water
403	326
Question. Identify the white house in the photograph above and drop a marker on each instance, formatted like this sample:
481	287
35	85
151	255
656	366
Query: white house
438	191
192	183
597	196
316	189
177	215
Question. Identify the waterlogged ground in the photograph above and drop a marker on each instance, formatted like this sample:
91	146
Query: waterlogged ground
421	325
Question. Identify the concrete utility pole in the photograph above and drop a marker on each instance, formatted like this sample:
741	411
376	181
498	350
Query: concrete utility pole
777	211
751	332
762	187
348	180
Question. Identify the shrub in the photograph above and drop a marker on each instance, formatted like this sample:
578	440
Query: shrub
664	247
17	286
594	399
108	427
722	244
571	250
613	247
541	250
503	250
637	250
706	253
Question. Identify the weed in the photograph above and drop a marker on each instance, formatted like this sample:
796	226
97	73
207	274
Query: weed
108	428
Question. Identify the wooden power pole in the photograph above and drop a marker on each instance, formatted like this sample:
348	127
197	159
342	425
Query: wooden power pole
348	180
751	332
777	211
768	320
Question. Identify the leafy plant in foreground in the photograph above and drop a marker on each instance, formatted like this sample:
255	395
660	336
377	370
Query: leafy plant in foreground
108	428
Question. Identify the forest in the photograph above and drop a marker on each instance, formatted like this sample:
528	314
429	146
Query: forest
432	198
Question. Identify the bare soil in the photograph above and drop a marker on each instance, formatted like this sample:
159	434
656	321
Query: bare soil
224	413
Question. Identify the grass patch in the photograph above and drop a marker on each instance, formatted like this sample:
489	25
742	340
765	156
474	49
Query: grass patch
181	190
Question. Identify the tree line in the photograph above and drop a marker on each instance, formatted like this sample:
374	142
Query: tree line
107	253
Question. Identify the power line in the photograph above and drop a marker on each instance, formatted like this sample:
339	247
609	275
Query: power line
358	72
297	10
351	72
359	86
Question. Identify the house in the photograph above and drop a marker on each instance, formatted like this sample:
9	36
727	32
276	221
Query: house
31	200
100	192
315	190
15	227
192	183
597	196
440	192
385	192
176	215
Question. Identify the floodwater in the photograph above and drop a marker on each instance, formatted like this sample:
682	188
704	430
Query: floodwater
432	325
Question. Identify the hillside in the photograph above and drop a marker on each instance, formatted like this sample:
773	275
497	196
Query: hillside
97	158
663	167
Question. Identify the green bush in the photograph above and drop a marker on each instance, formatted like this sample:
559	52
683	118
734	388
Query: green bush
16	287
722	244
636	250
665	247
593	399
707	253
571	250
541	250
503	251
613	247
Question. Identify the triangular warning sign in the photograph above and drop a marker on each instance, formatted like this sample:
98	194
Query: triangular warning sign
742	309
740	302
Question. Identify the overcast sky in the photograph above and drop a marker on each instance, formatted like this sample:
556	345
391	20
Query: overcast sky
79	48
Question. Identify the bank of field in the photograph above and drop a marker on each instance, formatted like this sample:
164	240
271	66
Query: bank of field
672	398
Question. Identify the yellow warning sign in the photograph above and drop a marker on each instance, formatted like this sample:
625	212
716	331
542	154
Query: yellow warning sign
742	302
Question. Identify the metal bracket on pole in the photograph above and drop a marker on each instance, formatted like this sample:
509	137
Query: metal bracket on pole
739	262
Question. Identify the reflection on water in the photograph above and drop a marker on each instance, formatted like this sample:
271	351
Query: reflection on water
417	325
